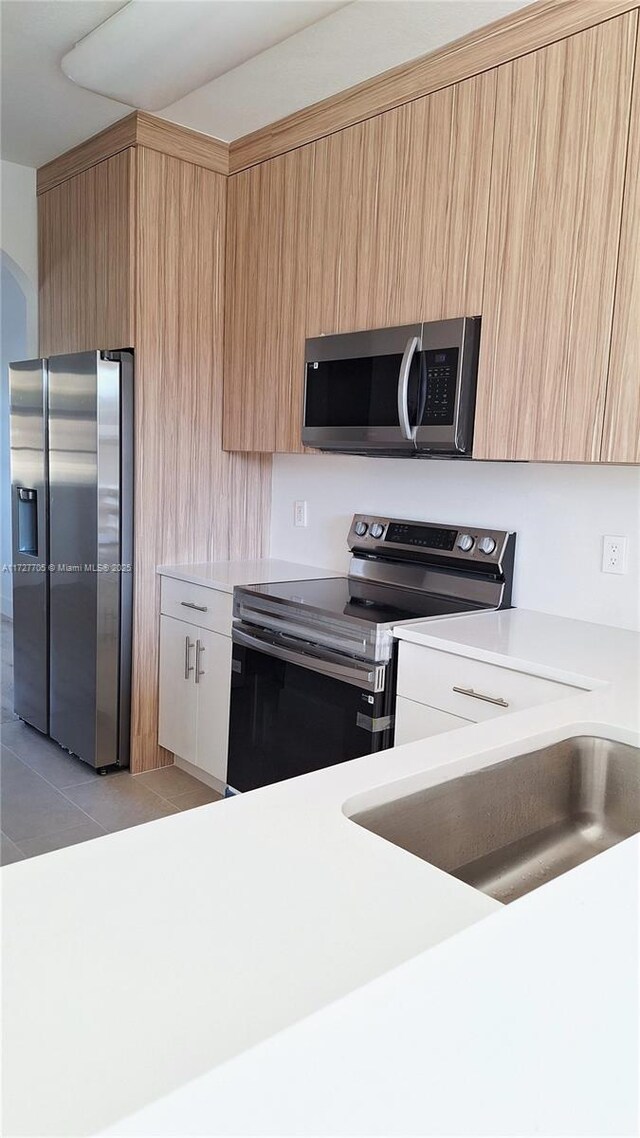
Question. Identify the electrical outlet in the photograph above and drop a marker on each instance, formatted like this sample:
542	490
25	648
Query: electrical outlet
299	513
614	554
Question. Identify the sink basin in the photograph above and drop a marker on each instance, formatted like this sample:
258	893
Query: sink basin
511	827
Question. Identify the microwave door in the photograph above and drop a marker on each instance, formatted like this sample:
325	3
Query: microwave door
352	391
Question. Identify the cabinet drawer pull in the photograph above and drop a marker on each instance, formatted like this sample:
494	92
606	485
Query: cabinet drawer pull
498	700
199	650
188	666
191	605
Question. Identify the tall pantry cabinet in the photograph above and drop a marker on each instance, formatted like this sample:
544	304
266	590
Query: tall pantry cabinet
132	255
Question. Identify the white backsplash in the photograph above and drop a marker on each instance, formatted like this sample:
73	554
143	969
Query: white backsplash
560	514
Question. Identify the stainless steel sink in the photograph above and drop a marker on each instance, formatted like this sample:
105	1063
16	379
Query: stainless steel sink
513	826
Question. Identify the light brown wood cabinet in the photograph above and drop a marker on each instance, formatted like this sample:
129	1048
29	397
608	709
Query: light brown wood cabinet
500	195
265	317
383	223
621	442
399	213
557	180
86	259
132	254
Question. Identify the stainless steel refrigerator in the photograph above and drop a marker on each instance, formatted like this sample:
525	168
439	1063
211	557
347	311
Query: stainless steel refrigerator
72	532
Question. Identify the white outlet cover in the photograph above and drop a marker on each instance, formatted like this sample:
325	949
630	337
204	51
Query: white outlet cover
614	553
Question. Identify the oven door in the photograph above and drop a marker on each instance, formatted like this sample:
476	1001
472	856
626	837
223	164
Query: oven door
297	708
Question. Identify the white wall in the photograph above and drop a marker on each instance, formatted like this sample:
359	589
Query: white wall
19	234
18	319
560	514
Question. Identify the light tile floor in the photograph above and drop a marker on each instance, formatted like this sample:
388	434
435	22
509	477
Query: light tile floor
49	800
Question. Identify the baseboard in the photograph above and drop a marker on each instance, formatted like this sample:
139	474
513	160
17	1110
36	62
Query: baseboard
197	772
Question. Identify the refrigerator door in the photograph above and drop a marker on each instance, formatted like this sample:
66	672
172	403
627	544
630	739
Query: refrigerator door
28	399
85	523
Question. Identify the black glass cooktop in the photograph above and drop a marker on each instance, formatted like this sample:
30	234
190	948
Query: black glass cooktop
345	597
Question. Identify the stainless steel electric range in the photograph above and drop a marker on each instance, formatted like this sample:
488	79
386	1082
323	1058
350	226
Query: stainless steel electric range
313	671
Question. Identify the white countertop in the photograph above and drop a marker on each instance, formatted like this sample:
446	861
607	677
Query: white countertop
524	1024
225	575
138	962
571	651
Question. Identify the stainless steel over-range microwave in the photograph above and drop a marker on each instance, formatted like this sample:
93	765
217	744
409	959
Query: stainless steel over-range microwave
404	391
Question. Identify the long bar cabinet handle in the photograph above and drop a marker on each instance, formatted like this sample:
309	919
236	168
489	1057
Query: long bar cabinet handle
199	650
188	666
498	700
191	605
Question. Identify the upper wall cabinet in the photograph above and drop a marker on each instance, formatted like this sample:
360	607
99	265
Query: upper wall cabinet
266	303
86	232
562	119
399	213
383	223
621	442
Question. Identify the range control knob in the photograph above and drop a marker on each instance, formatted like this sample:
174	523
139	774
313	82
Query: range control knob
465	542
377	530
361	528
486	545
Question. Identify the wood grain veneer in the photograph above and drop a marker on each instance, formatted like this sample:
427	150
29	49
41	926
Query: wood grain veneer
267	252
85	228
193	502
399	213
104	145
380	224
554	222
621	441
524	31
180	142
137	129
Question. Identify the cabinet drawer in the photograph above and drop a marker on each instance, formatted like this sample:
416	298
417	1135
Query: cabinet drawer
432	677
417	721
207	608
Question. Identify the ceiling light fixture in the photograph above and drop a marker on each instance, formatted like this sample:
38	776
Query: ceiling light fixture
152	52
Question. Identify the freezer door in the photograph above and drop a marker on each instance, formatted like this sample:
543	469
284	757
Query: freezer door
28	397
85	555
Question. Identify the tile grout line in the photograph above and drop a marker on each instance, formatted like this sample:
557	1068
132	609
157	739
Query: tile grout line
83	782
55	833
50	834
70	787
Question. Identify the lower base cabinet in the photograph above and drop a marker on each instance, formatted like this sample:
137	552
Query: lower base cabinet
195	687
178	694
460	690
214	695
417	721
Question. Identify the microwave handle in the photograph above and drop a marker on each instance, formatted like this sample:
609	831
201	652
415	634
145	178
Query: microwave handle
413	345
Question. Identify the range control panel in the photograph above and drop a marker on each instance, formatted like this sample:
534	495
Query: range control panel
463	543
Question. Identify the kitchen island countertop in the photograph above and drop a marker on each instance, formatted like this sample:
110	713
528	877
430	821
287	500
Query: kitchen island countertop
162	968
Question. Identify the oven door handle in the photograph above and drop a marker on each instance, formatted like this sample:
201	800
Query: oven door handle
369	677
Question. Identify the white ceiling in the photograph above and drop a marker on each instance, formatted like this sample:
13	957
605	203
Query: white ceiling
198	41
44	113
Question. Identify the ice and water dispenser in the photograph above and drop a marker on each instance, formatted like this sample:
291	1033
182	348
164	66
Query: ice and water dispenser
27	521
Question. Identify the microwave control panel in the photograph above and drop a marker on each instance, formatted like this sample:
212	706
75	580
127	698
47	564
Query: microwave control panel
441	366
